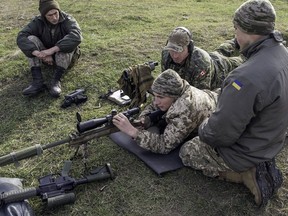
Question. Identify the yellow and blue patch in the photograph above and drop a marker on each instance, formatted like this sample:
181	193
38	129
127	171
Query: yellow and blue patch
238	85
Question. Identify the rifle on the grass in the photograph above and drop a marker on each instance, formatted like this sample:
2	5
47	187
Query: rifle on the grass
86	131
56	189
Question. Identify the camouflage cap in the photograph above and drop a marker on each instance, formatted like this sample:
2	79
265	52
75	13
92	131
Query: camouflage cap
168	83
178	39
255	17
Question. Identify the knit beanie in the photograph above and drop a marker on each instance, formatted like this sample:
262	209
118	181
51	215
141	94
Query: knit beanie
47	5
168	83
255	17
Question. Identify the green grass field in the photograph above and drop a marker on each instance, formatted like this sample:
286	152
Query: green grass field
117	34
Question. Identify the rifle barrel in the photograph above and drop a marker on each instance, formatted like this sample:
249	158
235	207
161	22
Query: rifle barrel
31	151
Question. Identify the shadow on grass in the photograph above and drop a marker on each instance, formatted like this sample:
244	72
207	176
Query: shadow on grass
16	109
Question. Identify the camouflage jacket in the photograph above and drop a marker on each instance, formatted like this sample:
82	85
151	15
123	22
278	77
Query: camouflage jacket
205	70
67	34
182	118
198	68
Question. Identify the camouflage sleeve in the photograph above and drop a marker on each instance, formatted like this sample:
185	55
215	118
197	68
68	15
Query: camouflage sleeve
164	59
204	70
148	109
180	123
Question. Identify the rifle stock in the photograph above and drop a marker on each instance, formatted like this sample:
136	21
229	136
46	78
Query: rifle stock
56	190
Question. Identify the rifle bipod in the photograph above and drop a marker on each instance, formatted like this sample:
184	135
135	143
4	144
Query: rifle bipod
84	149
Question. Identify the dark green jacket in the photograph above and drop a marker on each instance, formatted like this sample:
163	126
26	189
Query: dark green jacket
67	34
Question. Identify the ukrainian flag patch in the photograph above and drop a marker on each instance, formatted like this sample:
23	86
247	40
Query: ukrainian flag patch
236	84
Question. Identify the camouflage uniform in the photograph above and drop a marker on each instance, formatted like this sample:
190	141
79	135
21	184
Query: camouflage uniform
200	156
183	117
205	70
61	59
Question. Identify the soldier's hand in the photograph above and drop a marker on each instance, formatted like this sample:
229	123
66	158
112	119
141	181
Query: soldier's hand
124	125
48	60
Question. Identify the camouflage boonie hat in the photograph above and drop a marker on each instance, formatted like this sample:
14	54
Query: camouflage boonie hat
168	83
255	17
178	39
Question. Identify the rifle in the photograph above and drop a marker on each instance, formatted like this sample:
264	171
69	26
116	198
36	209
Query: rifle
55	190
86	131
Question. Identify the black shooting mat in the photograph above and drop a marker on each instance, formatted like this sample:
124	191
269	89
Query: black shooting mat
160	163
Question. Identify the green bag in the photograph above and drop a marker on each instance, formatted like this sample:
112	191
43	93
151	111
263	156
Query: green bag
136	80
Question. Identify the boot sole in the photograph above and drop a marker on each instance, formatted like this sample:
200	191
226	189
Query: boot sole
275	174
264	184
35	93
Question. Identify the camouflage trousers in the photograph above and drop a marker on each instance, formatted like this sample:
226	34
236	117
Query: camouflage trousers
200	156
229	48
226	58
60	59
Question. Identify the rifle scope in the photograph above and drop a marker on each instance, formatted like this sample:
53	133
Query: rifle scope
97	122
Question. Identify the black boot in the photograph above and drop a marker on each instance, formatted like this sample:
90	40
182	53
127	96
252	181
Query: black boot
55	88
275	175
37	84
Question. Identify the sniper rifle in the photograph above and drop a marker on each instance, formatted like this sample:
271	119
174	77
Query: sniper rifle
86	131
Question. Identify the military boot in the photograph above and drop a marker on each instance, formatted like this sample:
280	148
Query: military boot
258	181
55	88
37	84
275	174
231	176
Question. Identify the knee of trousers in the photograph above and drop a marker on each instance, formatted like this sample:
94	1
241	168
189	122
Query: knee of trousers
63	59
187	151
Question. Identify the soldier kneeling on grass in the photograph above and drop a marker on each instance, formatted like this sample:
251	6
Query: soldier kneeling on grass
51	38
240	140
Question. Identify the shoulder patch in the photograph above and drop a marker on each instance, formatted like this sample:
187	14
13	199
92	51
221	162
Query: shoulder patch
237	84
202	73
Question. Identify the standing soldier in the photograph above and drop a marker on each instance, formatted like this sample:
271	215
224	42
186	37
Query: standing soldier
51	38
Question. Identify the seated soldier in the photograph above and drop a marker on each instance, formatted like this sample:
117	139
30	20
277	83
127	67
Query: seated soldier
186	107
51	38
201	69
240	140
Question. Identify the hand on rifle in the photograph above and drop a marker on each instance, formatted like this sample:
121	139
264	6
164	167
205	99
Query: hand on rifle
124	125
